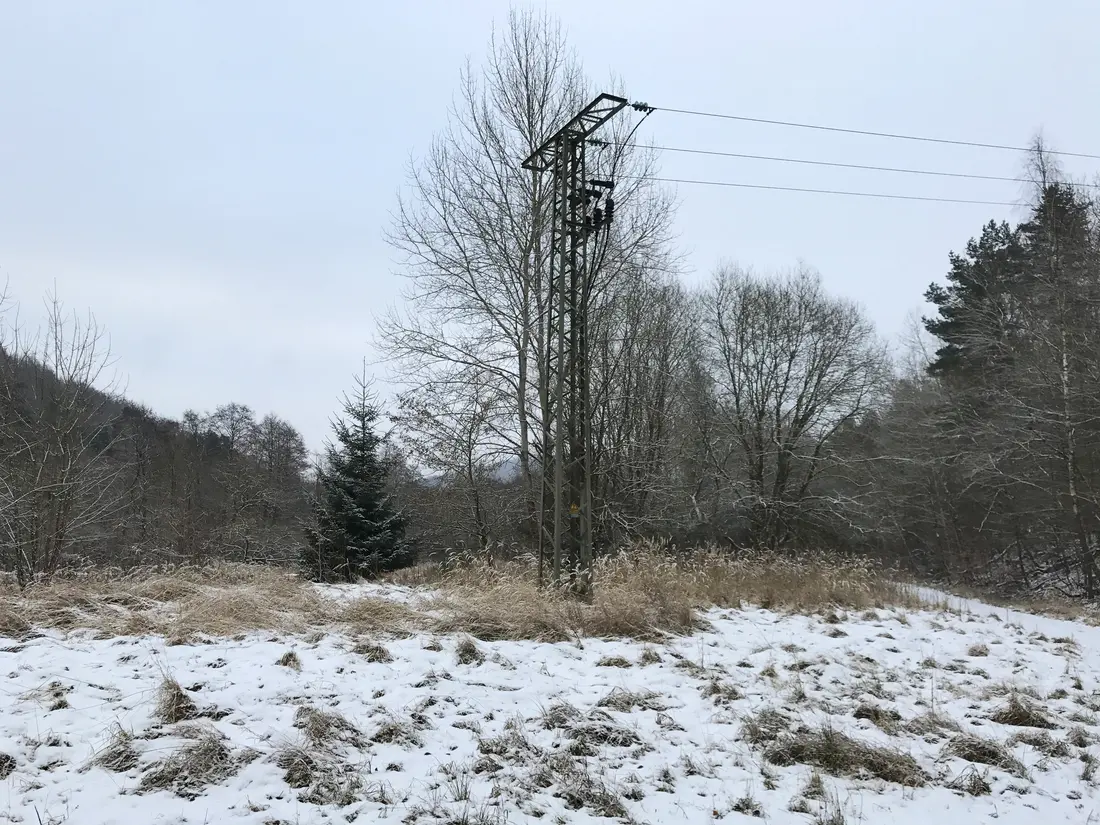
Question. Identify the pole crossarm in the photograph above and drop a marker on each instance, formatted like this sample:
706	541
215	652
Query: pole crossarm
584	123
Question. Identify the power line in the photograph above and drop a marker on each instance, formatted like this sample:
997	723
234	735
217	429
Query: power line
837	165
868	133
885	195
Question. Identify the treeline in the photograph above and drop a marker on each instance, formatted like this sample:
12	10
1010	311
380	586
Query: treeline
89	478
756	410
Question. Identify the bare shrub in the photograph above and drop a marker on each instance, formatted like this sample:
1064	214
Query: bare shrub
747	805
983	752
840	755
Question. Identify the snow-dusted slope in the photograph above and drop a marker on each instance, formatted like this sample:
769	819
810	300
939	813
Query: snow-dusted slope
718	726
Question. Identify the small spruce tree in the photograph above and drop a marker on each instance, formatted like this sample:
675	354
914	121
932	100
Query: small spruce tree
356	530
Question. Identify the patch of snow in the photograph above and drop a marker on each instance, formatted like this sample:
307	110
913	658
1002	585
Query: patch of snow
478	742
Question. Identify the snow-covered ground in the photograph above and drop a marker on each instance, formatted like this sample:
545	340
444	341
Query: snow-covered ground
717	726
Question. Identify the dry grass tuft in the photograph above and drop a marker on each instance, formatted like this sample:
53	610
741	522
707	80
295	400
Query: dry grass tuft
978	649
649	657
190	769
173	705
971	782
1042	742
325	780
468	653
748	806
625	701
887	719
7	765
560	715
984	752
1022	713
324	729
373	652
840	755
394	731
614	661
815	787
290	659
931	725
764	727
598	728
119	755
722	693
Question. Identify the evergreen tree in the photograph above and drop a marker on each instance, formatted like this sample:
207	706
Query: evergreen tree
356	531
976	317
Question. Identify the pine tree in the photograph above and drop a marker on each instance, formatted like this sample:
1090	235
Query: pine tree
975	319
356	530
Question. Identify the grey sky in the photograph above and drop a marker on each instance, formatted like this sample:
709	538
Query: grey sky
212	178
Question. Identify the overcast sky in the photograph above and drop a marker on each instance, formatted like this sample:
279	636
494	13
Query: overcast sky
212	178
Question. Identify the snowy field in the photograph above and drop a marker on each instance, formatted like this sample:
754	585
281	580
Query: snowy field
907	717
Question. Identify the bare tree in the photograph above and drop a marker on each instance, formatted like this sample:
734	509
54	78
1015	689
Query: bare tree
473	229
59	457
791	367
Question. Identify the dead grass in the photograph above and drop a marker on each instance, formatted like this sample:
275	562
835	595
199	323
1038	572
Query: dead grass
978	649
290	659
645	594
984	751
468	653
625	701
765	727
173	704
887	719
971	782
373	652
1042	742
325	729
840	755
216	600
189	770
931	725
1022	713
119	755
614	661
323	779
642	593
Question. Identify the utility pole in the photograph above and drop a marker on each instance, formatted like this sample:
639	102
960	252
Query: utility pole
581	209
